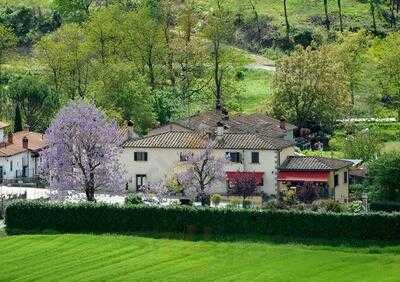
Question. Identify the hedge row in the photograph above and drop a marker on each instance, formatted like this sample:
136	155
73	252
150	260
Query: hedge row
385	206
36	216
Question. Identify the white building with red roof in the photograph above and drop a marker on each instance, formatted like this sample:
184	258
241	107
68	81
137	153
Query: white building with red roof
19	154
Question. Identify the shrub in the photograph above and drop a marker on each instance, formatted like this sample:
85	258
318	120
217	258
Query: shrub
333	206
384	177
355	207
27	216
247	204
216	199
271	205
287	197
327	206
234	203
133	199
385	206
356	191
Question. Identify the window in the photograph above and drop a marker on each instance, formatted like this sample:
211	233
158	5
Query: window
336	180
183	157
234	157
255	157
140	180
140	156
11	165
345	177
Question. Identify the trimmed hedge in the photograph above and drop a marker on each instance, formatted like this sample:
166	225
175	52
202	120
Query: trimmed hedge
385	206
26	216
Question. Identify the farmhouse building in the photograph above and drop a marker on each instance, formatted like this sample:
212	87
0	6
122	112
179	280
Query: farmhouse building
19	154
253	144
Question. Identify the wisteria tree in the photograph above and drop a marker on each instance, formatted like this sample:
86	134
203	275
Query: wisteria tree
82	153
202	172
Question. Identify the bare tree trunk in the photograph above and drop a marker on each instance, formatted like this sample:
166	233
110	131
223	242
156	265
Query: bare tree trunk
372	10
392	8
217	76
327	22
286	19
340	15
257	19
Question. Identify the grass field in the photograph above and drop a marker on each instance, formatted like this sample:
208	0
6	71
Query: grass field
256	88
99	258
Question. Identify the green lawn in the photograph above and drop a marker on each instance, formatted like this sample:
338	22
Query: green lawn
100	258
256	87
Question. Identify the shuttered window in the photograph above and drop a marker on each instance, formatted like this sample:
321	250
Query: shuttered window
140	156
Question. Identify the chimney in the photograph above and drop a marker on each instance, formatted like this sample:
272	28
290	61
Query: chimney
10	139
131	132
25	142
220	131
282	123
225	114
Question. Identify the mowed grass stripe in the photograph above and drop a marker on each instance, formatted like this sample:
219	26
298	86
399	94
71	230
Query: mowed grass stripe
121	258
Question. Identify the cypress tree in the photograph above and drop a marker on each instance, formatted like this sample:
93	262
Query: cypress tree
17	119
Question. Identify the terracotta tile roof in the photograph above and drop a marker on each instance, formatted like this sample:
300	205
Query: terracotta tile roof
267	126
313	163
35	143
196	140
3	125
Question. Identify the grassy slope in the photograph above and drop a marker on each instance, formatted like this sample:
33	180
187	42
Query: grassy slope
256	88
299	11
86	257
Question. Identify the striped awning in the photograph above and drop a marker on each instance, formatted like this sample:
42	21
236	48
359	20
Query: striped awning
303	176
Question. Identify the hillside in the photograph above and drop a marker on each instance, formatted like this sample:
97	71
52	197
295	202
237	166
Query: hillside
300	12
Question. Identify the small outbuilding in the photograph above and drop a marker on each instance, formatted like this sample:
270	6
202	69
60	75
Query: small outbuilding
329	176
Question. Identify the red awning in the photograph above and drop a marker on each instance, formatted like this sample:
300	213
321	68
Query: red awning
304	176
233	175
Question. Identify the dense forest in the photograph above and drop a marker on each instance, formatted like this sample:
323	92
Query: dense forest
151	61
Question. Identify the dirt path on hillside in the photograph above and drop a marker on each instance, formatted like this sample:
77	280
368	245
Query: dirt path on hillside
261	63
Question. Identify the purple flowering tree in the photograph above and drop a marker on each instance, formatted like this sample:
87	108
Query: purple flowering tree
245	185
82	153
202	172
155	192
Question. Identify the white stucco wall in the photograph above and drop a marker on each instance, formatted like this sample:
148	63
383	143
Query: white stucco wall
284	153
2	135
18	161
164	162
341	191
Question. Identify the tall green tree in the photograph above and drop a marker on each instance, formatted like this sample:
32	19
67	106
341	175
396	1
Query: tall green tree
311	88
36	103
218	31
384	177
74	10
351	49
68	59
17	119
384	58
104	34
7	41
